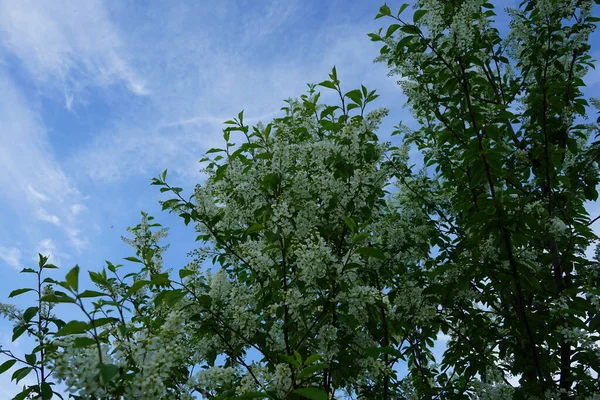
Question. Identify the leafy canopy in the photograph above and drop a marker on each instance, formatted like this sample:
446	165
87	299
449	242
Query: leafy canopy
337	264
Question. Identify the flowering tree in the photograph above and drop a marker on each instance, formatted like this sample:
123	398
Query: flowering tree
304	304
335	264
512	164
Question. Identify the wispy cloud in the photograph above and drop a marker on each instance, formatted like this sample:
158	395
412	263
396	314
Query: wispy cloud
33	183
66	44
198	84
47	247
11	256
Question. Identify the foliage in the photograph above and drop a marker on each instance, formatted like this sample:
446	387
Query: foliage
511	168
336	264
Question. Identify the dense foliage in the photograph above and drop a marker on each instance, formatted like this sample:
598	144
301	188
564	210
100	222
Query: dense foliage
335	267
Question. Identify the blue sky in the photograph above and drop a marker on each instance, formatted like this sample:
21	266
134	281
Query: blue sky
100	96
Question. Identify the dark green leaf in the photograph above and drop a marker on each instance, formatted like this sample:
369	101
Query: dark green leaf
20	374
350	224
402	8
6	365
328	84
384	11
371	252
391	29
28	271
29	313
312	393
418	15
137	285
355	95
72	278
311	370
30	358
108	372
359	237
73	327
137	260
46	391
185	272
91	293
254	228
83	341
252	395
18	292
18	331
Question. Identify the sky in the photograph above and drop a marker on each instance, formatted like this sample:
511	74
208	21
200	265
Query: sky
100	96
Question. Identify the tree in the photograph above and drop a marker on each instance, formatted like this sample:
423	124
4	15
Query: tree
512	164
336	263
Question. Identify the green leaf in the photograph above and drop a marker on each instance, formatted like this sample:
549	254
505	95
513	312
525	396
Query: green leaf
312	393
134	259
91	293
47	392
30	358
350	224
355	95
402	8
254	228
108	372
391	29
6	365
18	331
333	74
298	356
172	297
29	313
252	395
22	395
418	15
384	11
410	29
290	360
312	358
28	271
372	252
72	278
137	285
311	370
359	237
58	297
18	292
391	351
42	260
83	341
185	272
73	327
98	322
328	84
20	374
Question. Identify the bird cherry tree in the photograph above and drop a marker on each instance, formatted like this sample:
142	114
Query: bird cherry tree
333	265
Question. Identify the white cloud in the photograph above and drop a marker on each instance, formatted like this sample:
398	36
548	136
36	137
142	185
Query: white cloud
32	182
76	209
72	45
35	195
47	247
42	215
198	84
11	256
